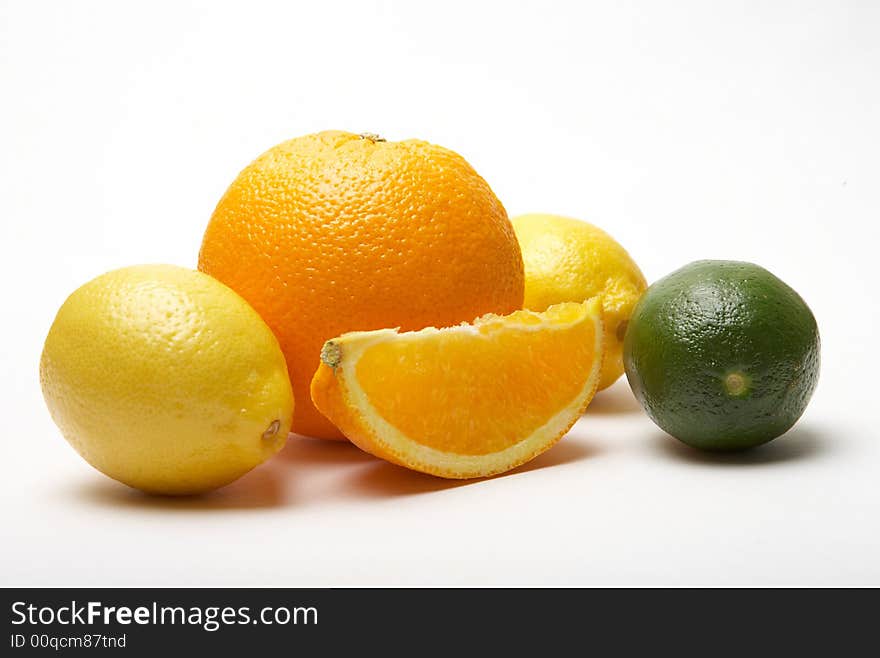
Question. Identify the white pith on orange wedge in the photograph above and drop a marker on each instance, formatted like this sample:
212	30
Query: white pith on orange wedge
466	401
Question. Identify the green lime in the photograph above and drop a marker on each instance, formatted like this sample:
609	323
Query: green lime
722	355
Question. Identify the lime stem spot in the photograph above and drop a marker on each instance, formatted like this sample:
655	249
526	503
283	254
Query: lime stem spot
373	137
736	383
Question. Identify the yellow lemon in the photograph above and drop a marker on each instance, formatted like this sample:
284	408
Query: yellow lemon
166	380
568	260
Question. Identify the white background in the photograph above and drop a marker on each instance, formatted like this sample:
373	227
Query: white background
741	130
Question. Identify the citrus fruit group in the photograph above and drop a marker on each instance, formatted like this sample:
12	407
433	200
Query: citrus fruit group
166	380
567	260
722	354
466	401
335	232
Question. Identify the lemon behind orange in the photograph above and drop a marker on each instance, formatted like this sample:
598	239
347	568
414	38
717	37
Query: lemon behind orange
568	260
336	232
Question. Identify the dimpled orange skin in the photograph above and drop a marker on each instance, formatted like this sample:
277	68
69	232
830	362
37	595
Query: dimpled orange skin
336	232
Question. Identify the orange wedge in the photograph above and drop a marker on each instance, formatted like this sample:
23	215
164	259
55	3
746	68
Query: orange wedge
467	401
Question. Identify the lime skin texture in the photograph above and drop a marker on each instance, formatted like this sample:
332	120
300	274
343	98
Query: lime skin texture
722	355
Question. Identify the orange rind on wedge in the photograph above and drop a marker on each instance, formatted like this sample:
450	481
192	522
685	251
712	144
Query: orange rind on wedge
467	401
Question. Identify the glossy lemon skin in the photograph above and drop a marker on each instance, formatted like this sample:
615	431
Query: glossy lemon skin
568	260
166	380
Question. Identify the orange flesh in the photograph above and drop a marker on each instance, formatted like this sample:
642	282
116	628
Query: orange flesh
486	400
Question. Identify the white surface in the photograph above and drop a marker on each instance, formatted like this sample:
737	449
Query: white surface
745	131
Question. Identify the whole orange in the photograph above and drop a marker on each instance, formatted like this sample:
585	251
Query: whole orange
337	232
